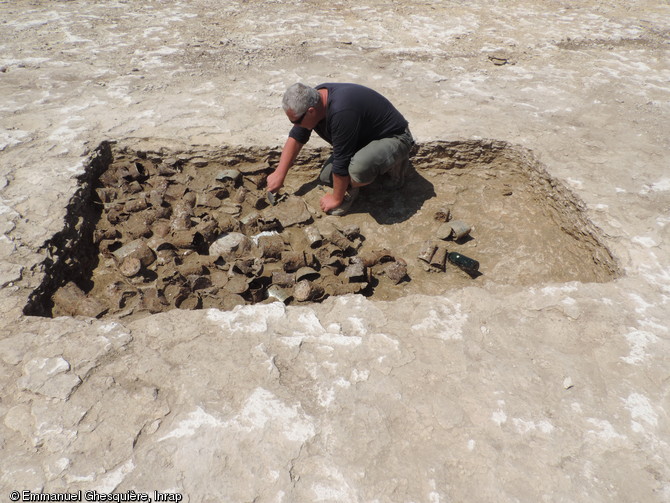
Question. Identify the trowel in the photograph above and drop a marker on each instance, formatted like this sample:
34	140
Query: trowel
275	197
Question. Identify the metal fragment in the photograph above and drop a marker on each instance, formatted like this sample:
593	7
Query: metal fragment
351	232
228	174
396	271
314	237
306	273
340	240
460	229
305	290
427	251
131	266
137	249
240	195
71	300
443	215
373	257
439	258
237	284
278	293
444	231
355	271
292	261
285	279
271	246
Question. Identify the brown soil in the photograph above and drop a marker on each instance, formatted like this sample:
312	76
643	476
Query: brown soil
161	213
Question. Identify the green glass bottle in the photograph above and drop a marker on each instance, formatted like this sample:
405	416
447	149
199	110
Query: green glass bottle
465	263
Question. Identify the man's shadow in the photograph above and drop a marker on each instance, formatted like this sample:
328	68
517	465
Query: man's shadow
387	207
395	206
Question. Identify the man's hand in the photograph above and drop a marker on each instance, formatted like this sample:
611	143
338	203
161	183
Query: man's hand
275	181
330	202
291	149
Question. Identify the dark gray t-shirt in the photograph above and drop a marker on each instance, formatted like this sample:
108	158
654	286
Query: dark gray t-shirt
355	116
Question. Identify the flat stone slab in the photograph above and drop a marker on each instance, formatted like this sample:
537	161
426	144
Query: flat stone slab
49	377
10	273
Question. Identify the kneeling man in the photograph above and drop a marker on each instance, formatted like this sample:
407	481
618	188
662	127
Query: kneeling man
370	139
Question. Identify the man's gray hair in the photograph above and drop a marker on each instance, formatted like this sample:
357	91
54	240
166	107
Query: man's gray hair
299	97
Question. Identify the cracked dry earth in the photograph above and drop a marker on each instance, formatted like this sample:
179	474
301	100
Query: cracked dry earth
543	377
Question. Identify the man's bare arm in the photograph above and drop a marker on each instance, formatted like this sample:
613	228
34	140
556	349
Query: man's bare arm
288	156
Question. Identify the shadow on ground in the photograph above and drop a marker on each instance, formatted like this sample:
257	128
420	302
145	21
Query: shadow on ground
386	207
392	207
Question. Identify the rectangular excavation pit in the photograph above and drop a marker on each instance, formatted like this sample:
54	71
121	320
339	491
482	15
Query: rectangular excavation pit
149	231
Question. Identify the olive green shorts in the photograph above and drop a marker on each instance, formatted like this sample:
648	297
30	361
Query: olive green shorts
375	159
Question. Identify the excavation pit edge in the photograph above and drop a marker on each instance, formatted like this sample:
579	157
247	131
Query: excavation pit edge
152	230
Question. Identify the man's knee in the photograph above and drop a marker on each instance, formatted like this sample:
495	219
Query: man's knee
375	159
362	173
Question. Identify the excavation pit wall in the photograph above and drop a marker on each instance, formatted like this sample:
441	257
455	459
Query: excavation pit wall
149	231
